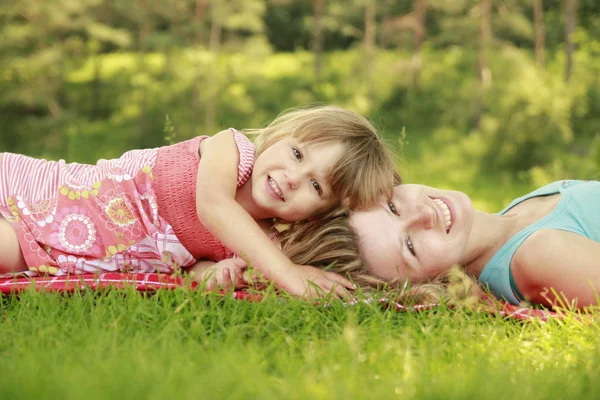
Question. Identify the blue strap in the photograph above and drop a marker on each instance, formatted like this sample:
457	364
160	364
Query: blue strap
513	286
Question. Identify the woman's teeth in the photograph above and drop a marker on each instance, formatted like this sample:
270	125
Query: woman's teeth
446	210
275	188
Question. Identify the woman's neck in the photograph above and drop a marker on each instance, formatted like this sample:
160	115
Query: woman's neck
489	233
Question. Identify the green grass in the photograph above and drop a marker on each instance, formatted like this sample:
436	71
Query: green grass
181	344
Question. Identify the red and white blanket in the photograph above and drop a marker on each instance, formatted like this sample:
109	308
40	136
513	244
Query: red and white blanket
152	282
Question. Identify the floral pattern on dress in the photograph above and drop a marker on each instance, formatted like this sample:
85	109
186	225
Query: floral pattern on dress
41	212
33	236
74	231
118	174
76	192
116	210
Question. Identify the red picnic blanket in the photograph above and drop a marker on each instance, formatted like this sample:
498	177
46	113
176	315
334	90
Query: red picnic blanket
152	282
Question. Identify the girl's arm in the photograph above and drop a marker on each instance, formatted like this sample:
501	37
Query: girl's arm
564	261
220	213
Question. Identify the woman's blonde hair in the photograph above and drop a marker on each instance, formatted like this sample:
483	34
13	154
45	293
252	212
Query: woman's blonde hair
366	169
331	243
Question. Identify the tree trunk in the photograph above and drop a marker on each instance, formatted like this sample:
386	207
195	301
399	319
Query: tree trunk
538	14
144	30
143	33
370	46
569	29
485	33
199	22
212	84
420	9
485	77
385	18
318	8
96	86
198	42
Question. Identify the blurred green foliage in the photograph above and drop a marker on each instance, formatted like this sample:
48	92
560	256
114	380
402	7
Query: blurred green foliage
89	79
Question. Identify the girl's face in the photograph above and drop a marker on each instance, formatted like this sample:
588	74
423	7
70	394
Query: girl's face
289	178
418	234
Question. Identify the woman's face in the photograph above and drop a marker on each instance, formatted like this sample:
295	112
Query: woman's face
418	234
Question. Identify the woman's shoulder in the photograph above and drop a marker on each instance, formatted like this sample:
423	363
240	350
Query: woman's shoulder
553	258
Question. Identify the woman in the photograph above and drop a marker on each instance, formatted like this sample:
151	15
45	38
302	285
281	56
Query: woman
544	247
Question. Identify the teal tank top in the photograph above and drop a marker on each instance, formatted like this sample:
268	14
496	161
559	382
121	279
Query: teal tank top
577	211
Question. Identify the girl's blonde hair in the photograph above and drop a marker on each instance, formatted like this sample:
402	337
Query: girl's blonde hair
332	243
366	169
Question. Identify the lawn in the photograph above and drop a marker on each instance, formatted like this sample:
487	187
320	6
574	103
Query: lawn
189	345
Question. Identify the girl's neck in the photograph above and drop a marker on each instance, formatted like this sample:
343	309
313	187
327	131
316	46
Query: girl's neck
243	196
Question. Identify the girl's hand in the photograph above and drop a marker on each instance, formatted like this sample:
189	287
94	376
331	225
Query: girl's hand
310	282
223	275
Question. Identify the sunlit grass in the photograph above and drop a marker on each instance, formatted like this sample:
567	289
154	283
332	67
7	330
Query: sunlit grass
182	344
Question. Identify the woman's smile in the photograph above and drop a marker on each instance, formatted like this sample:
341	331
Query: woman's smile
446	211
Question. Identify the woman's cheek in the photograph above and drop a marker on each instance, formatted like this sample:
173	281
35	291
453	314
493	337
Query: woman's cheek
438	258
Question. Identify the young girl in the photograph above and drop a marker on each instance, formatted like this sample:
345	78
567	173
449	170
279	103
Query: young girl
543	248
205	193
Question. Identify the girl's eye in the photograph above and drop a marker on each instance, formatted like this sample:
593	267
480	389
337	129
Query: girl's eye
392	208
317	187
410	246
297	154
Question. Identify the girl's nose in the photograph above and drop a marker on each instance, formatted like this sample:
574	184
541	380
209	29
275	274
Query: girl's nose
421	216
292	180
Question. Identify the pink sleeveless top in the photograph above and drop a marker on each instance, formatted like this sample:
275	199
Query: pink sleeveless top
175	175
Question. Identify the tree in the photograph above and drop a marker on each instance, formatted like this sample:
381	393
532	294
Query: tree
539	33
198	42
369	43
569	29
419	31
484	73
199	16
42	43
485	34
318	8
212	84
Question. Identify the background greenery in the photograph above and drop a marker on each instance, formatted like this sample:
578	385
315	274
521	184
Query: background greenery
492	103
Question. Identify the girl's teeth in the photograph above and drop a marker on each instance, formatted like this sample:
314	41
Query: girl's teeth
275	188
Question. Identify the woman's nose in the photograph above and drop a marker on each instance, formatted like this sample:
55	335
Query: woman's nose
421	216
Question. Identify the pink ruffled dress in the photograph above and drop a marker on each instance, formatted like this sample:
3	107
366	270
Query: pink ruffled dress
136	213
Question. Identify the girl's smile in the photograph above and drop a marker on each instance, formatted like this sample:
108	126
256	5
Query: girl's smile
273	189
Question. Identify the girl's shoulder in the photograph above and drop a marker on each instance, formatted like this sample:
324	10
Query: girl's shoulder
240	143
243	144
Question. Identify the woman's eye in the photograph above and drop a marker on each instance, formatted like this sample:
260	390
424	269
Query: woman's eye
317	187
410	246
392	208
297	153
